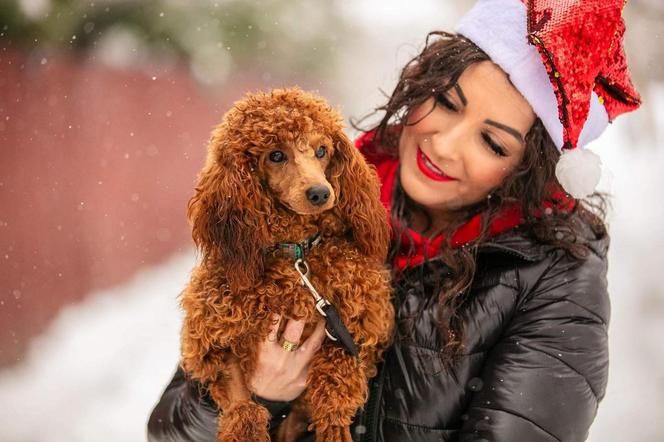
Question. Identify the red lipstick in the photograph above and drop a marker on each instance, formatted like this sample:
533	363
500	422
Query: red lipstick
429	169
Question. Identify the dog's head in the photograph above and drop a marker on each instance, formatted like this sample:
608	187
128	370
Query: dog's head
281	150
296	168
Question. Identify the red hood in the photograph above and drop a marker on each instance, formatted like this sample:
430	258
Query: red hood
387	167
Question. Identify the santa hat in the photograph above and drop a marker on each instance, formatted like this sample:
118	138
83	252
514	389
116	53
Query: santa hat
566	58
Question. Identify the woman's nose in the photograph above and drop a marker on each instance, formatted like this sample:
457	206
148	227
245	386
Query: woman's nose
446	145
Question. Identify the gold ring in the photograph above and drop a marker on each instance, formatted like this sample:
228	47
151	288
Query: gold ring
289	346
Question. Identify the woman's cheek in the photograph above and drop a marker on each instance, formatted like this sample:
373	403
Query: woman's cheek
482	178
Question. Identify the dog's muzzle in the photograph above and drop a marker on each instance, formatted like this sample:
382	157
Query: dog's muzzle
318	195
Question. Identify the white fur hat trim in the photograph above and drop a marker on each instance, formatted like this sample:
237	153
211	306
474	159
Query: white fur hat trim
499	28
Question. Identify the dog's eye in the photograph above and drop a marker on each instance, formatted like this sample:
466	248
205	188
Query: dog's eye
321	151
277	156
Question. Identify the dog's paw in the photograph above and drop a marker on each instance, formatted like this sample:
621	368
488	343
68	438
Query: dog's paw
244	421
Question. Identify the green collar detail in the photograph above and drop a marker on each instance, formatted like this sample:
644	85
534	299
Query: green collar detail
294	250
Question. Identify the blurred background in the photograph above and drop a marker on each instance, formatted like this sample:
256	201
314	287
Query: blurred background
105	111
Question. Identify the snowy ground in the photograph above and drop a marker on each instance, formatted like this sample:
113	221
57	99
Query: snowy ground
98	370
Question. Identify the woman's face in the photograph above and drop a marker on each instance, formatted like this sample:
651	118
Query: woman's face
458	146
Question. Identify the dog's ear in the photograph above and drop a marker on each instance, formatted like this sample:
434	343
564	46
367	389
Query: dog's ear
228	213
357	187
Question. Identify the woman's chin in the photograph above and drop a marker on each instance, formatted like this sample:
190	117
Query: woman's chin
423	192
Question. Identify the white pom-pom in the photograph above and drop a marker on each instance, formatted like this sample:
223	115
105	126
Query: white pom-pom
578	171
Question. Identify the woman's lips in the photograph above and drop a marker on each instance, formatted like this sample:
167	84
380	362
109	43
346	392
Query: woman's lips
429	169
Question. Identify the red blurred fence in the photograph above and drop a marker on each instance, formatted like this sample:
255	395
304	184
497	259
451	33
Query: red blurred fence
96	167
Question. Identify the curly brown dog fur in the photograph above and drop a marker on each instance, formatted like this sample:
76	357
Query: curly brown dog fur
247	199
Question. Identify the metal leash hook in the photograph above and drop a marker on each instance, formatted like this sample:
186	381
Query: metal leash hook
320	301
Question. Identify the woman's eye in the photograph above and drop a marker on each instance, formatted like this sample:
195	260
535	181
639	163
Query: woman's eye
442	99
493	145
321	151
277	156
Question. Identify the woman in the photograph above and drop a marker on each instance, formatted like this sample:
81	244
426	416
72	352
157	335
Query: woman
499	274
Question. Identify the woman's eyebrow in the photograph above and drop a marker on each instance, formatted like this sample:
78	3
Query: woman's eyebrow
515	133
459	91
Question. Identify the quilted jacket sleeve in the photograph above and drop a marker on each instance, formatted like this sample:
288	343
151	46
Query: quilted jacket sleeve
545	377
185	413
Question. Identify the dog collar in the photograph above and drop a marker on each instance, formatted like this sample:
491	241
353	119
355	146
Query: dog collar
294	250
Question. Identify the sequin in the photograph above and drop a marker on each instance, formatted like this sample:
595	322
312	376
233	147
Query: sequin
580	43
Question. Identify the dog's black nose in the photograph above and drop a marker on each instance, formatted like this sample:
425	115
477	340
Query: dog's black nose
318	195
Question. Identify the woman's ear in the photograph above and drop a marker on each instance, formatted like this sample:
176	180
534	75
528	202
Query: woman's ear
227	213
357	187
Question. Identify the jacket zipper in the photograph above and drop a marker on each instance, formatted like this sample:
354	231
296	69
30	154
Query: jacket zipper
373	409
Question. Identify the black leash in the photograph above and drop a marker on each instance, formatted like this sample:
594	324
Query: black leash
335	328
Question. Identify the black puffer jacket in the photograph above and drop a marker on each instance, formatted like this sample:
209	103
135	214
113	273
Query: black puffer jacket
535	370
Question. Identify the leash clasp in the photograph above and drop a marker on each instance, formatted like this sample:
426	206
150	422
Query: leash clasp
302	268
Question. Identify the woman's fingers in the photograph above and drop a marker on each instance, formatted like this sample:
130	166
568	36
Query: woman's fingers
281	374
314	341
274	328
293	331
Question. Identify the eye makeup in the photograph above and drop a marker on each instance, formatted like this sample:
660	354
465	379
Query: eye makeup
493	145
443	99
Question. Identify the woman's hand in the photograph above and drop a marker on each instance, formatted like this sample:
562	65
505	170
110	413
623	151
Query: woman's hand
280	374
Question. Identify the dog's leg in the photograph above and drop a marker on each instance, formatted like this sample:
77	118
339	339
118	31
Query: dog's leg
336	388
241	419
244	421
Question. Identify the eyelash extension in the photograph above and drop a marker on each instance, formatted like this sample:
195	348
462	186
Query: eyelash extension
442	99
492	144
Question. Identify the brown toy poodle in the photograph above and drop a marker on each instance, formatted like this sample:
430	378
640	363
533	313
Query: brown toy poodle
282	183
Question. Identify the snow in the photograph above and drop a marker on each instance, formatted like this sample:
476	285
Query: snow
634	400
95	374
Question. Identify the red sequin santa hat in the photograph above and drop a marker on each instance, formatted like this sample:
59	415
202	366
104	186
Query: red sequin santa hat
566	58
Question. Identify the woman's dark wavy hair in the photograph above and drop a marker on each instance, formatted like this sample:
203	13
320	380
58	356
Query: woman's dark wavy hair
435	70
